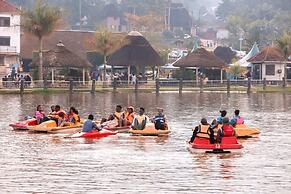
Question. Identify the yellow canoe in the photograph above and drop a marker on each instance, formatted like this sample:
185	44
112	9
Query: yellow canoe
241	131
150	131
51	127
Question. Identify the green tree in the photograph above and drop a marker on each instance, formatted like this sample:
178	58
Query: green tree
41	22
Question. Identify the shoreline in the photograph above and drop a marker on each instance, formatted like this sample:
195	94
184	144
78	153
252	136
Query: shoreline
269	89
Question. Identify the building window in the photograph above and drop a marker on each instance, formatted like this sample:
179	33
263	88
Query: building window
270	69
4	21
4	41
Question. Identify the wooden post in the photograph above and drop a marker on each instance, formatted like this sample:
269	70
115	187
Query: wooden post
114	84
264	84
284	82
84	76
157	85
21	86
53	76
136	84
128	75
181	81
221	76
93	88
201	84
228	86
71	85
249	85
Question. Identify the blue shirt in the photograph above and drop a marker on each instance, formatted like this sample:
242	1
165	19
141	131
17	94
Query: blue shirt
89	125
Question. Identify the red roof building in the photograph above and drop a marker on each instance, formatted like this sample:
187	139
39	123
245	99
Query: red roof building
6	7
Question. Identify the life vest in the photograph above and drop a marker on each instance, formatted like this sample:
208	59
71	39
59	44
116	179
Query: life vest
159	119
239	120
228	130
74	118
65	114
139	122
118	115
129	117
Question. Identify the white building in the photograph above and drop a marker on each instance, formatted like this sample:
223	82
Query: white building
9	37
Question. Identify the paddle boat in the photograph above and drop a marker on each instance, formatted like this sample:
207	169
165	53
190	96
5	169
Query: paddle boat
228	144
150	131
51	127
241	131
93	134
22	125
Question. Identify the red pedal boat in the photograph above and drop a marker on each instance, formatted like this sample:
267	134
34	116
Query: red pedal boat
228	145
93	134
22	125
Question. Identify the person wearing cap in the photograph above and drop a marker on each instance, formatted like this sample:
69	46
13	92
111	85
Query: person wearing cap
160	120
236	119
140	120
128	116
197	129
225	131
221	116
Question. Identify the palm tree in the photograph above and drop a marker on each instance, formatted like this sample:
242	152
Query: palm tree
105	43
40	22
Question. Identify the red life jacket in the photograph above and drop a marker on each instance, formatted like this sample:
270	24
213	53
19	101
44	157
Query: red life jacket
228	130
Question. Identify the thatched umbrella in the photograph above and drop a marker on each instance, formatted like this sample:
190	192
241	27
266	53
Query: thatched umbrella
60	57
201	58
136	51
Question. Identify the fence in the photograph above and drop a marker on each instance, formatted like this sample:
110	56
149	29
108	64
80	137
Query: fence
156	85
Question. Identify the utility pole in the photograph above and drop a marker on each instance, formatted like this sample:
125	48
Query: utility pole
80	13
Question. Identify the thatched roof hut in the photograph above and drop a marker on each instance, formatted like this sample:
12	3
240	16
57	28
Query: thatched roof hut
201	58
60	56
136	51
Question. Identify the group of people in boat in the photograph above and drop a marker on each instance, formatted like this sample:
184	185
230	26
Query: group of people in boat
226	129
127	118
136	121
57	114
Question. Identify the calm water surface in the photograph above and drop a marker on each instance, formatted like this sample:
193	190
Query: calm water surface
32	163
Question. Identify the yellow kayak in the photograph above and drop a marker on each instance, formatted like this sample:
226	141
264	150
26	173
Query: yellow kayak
241	131
150	131
51	127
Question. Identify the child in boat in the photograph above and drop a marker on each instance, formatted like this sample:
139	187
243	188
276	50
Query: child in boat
225	131
128	116
236	119
90	125
61	121
160	120
74	116
197	129
222	115
140	121
40	115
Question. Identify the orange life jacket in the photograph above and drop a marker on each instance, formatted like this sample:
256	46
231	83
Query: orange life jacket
129	117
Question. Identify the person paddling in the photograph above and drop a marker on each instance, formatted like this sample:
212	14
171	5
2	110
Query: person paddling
236	119
197	129
160	120
221	116
90	125
225	131
140	121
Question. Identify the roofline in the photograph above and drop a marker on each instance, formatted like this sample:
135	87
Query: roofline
260	62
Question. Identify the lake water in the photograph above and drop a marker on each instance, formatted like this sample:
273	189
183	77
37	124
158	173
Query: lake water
36	163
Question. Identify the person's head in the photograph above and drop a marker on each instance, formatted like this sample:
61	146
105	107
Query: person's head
236	112
53	108
73	110
91	117
141	110
130	109
39	108
225	121
204	121
118	108
223	113
57	108
61	115
160	110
